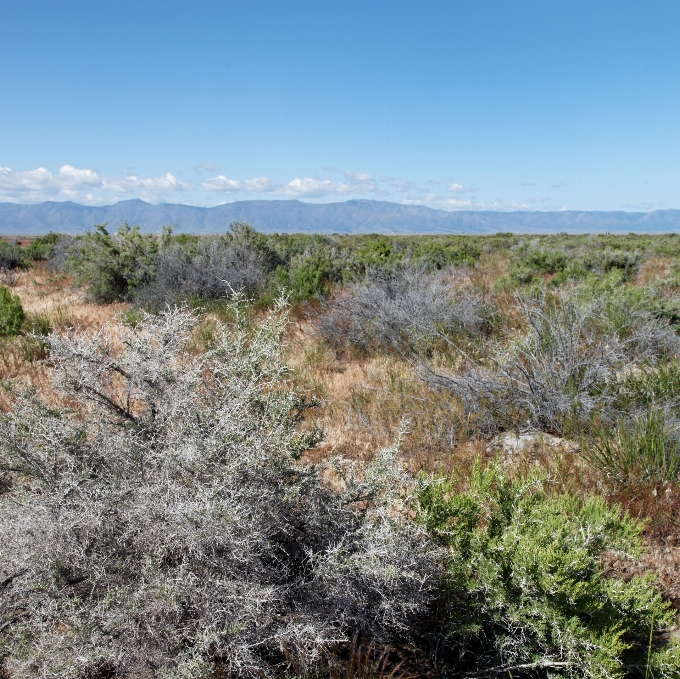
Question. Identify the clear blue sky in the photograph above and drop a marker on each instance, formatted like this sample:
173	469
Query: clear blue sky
491	104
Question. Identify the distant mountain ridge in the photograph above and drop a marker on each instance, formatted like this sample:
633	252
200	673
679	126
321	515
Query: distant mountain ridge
293	216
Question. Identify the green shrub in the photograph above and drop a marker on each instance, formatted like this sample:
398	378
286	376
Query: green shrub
11	256
376	251
536	263
604	261
113	267
526	589
42	248
438	255
306	277
11	313
652	385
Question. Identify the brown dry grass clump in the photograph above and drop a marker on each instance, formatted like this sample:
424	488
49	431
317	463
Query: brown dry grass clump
43	291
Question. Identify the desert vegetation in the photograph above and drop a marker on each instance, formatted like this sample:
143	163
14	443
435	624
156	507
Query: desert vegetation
261	455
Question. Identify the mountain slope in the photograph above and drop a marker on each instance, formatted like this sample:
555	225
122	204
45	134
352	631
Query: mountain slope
353	216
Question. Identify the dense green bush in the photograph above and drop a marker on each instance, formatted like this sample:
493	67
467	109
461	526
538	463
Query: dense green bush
42	248
305	278
12	315
565	258
527	594
377	251
439	254
113	267
538	262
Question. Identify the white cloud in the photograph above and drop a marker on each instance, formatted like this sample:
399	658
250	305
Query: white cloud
144	186
504	205
86	186
455	204
364	183
300	187
224	184
459	188
313	188
70	175
41	184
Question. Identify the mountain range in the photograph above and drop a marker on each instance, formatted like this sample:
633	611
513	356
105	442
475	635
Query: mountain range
293	216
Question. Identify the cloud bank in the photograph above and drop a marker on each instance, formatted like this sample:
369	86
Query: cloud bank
88	187
85	186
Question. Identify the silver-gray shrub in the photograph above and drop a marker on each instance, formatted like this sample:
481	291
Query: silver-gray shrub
213	269
160	520
400	306
566	364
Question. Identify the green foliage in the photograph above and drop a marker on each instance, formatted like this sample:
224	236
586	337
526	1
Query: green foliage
42	248
651	385
113	266
305	279
132	317
538	262
11	256
525	583
647	451
603	261
376	251
438	255
573	257
12	315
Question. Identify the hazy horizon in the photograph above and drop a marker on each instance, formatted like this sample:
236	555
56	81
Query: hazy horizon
322	203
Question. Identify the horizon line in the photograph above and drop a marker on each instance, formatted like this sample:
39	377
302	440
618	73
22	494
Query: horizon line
336	202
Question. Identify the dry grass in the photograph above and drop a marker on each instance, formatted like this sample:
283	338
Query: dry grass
46	293
42	291
654	270
365	402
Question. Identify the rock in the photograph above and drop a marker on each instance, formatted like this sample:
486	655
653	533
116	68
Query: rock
513	443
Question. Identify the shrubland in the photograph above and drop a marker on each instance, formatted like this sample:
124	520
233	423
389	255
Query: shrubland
451	456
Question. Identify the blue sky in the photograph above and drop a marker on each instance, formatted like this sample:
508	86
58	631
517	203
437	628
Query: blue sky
487	104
